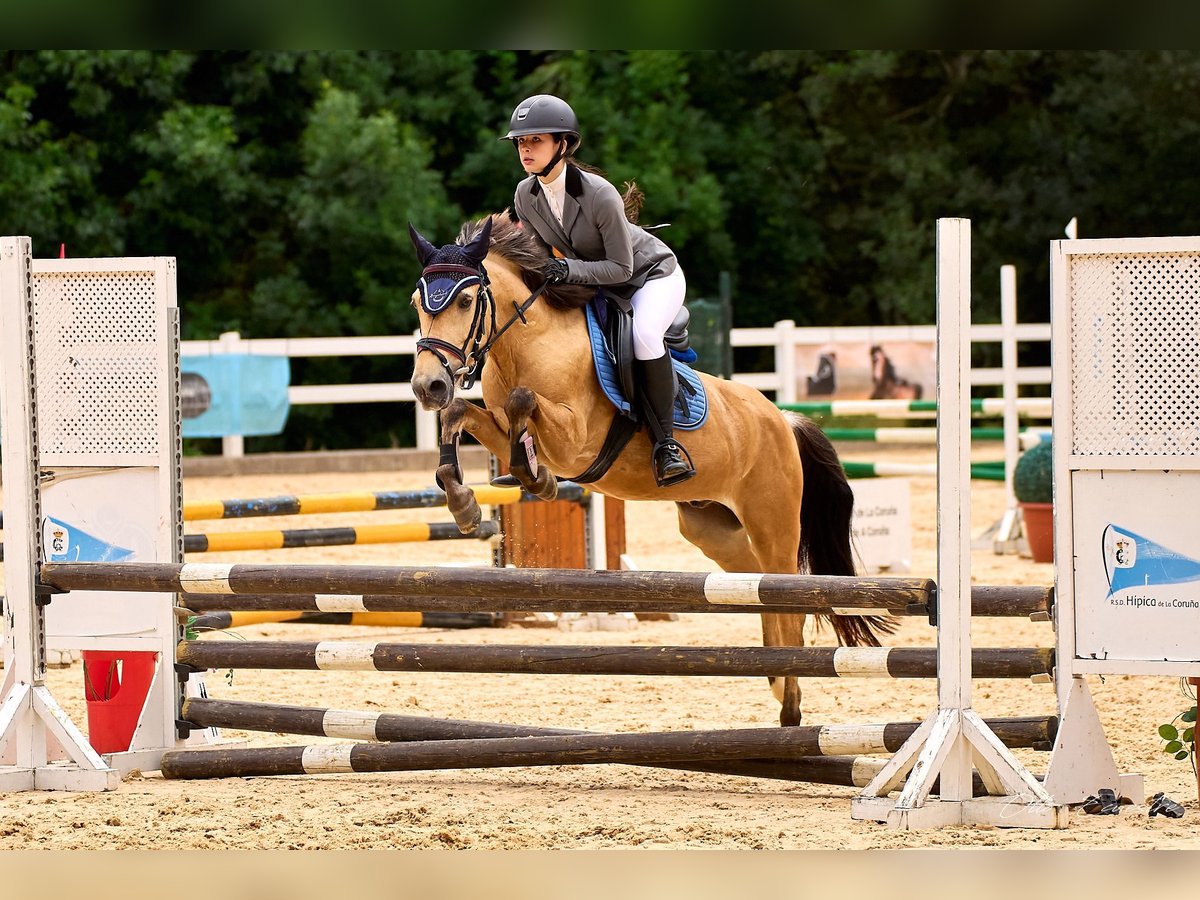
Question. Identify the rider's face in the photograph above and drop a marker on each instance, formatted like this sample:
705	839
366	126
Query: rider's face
535	151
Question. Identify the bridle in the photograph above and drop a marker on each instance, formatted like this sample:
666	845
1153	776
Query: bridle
472	355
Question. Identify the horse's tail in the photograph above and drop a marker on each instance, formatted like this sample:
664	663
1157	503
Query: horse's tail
825	511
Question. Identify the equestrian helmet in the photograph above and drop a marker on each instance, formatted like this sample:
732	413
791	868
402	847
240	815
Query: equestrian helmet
544	114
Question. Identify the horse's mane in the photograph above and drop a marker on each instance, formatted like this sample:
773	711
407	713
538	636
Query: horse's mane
525	250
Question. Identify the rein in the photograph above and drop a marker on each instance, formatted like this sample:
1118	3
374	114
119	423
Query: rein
472	355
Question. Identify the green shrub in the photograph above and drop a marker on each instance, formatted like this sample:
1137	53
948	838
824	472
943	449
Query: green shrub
1033	478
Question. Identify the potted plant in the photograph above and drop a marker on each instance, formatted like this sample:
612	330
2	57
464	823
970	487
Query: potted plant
1033	483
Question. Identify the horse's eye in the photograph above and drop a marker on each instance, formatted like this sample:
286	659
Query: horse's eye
465	301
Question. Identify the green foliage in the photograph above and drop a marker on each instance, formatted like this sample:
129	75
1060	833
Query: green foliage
284	181
1180	744
1033	477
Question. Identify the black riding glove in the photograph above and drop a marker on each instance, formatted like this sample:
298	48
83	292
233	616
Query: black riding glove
555	270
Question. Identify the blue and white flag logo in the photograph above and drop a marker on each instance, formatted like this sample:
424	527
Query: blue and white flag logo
1133	561
63	543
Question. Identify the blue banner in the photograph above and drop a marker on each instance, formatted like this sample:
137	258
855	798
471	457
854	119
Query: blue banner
234	393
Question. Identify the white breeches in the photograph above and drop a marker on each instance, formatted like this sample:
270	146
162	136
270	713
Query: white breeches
655	305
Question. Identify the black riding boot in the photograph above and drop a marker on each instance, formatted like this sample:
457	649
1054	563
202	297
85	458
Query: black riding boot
671	462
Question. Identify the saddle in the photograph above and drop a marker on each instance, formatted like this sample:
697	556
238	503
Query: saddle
611	333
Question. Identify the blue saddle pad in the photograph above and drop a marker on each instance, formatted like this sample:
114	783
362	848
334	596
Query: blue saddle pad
691	402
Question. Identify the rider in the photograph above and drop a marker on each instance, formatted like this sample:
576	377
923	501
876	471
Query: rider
579	214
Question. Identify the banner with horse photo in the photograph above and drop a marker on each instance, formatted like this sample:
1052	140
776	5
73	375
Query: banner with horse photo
866	370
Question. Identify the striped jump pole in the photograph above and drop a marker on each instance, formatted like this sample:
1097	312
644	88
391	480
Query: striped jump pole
802	662
1000	601
924	436
361	501
219	621
832	767
1034	407
1036	732
653	748
980	471
407	532
745	592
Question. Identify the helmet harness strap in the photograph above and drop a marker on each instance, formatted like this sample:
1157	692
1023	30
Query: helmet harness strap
558	155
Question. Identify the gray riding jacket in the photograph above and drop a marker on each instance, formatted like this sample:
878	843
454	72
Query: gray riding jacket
601	246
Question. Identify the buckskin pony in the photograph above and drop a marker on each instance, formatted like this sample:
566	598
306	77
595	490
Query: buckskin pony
769	493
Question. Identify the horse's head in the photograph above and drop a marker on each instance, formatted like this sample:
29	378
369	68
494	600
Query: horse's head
455	309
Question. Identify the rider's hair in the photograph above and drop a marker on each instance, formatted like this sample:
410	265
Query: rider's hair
524	249
632	197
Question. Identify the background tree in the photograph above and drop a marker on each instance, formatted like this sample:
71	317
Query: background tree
284	181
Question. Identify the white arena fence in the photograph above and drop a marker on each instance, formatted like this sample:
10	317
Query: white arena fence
784	337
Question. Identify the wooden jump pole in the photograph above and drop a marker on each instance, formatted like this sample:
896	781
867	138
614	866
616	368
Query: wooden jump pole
1035	732
832	767
787	593
219	621
1021	601
803	662
653	748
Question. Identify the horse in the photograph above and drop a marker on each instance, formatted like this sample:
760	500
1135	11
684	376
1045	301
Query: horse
769	494
886	384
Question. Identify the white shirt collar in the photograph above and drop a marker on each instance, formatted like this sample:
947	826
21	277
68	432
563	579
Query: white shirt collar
556	190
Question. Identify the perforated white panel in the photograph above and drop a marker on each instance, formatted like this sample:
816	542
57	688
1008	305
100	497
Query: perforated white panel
1135	347
99	363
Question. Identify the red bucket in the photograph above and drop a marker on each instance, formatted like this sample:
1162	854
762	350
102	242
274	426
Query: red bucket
115	686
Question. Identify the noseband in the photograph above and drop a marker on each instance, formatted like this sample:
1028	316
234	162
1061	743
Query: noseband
435	298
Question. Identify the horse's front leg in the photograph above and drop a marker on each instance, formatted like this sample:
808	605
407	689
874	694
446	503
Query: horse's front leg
460	499
520	407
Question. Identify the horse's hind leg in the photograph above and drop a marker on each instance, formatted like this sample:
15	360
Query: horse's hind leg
719	535
785	630
520	406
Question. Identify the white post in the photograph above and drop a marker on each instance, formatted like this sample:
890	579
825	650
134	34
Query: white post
785	361
597	549
428	432
1081	761
427	428
232	444
33	728
1009	530
955	738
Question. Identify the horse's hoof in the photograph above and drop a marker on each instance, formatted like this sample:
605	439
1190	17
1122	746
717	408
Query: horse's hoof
464	507
546	486
788	718
467	520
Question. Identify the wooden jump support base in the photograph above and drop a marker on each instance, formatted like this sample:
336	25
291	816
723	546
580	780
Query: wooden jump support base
402	533
516	746
361	501
803	662
833	767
